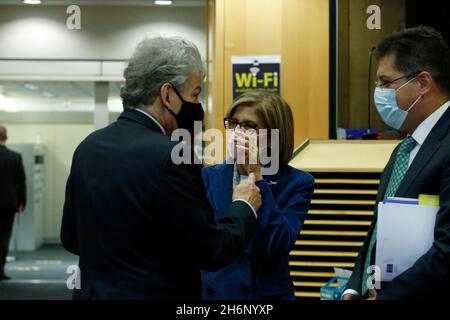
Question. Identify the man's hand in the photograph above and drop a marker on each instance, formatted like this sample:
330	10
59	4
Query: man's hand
372	294
347	296
248	191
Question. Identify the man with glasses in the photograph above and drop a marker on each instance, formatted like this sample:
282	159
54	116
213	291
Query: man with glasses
412	95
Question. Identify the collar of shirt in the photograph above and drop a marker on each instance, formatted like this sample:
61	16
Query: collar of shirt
422	131
148	115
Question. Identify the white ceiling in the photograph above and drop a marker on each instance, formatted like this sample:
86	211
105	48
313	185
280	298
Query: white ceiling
176	3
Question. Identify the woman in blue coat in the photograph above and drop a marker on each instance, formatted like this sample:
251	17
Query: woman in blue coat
262	270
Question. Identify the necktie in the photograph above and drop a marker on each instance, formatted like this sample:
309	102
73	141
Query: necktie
399	171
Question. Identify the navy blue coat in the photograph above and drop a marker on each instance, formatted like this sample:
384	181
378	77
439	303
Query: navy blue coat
429	173
262	270
141	224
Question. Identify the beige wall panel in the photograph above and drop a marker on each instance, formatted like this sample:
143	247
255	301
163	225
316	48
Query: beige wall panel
298	30
356	41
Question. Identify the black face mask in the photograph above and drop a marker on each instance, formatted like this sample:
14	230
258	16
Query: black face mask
188	113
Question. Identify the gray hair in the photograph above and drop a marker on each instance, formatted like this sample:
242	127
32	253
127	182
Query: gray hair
157	61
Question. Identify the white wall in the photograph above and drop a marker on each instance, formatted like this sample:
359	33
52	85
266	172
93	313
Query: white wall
40	32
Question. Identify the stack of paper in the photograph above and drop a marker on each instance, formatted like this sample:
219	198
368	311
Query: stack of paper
405	232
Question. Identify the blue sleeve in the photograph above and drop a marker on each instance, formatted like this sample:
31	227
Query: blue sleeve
278	228
205	178
207	184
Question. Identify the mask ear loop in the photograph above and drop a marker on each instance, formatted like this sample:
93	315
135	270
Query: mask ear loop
178	94
407	83
417	100
182	101
414	104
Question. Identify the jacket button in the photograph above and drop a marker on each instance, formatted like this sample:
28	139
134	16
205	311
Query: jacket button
245	292
210	291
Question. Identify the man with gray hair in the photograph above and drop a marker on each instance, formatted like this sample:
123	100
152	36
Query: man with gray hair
12	195
143	226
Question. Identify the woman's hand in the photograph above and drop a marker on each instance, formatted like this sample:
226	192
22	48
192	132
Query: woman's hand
247	151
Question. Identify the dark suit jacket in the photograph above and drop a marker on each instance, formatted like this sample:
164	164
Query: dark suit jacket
429	277
142	226
12	180
262	269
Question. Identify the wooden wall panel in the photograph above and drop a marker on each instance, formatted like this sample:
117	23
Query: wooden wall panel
355	42
343	64
298	30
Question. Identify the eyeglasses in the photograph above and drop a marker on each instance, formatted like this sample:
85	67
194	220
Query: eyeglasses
233	123
384	84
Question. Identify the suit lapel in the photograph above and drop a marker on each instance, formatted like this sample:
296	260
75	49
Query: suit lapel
221	179
222	185
426	152
275	181
385	176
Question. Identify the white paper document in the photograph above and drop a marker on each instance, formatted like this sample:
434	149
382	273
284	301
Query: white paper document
405	232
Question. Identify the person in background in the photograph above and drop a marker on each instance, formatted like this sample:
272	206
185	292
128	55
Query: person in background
262	269
413	95
13	193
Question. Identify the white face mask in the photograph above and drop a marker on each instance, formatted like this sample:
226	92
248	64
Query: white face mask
387	106
254	138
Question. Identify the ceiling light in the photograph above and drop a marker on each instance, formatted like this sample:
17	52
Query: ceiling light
32	1
47	94
31	87
163	2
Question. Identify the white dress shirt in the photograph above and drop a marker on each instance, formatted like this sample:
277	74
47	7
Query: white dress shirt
419	135
423	130
148	115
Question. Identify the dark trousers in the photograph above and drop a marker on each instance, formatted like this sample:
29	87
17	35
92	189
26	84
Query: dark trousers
6	224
